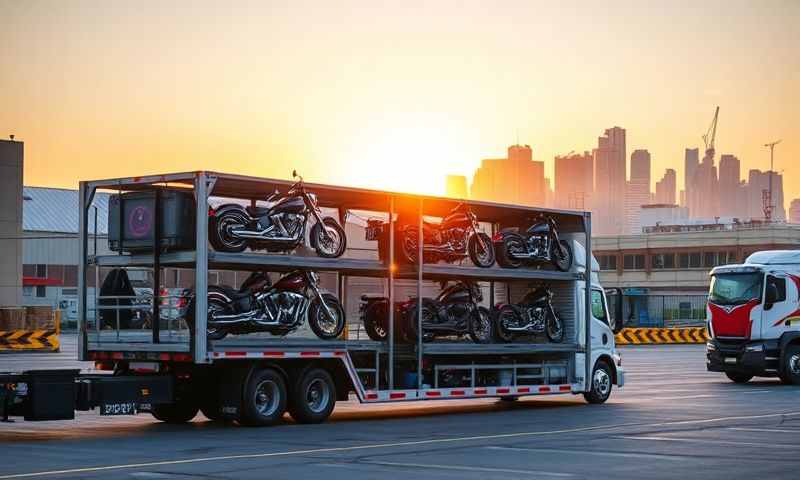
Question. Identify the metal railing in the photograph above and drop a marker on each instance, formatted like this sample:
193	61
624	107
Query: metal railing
662	310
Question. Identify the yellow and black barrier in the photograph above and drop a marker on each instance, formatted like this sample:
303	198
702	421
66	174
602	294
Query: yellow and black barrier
642	336
16	340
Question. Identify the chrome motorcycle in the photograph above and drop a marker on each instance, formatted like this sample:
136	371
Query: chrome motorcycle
278	228
539	244
534	315
258	306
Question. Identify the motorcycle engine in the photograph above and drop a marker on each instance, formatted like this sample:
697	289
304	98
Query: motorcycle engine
457	238
286	306
537	245
293	222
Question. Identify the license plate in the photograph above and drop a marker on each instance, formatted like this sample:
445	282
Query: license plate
730	360
126	408
373	233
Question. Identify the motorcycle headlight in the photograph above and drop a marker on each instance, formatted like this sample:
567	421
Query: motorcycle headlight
313	198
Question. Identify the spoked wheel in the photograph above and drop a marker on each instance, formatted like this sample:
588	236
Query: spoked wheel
221	231
313	396
601	384
554	328
328	238
561	258
410	245
511	245
376	317
505	317
480	330
264	399
481	250
329	323
216	307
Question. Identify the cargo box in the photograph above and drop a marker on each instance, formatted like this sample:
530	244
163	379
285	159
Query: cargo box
131	221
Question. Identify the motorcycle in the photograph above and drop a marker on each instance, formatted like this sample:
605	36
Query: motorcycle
533	315
258	306
456	237
540	243
279	228
455	311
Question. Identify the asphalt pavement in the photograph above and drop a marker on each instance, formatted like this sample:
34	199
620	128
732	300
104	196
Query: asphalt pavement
672	420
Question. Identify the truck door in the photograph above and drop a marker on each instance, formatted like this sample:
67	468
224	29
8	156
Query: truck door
780	305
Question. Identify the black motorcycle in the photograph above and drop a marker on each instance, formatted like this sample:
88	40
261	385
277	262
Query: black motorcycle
539	244
279	228
455	311
534	315
258	306
456	237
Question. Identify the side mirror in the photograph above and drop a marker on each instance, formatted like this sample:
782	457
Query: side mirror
294	173
616	320
770	296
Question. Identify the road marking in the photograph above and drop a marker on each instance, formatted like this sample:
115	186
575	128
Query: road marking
707	441
390	445
658	456
465	468
684	397
766	430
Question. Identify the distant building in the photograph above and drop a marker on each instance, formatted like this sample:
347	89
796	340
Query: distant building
574	181
691	162
703	195
637	191
730	186
456	186
756	190
517	179
11	168
665	188
794	211
610	159
662	214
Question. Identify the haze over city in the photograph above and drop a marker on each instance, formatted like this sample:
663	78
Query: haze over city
345	92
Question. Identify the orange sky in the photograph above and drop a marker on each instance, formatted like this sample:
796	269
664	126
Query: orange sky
390	94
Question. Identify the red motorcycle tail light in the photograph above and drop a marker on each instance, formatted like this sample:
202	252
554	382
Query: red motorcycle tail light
211	212
497	237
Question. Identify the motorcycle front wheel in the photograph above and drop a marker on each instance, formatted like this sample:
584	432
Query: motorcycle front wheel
562	260
504	317
376	319
325	326
328	238
220	231
554	328
481	256
480	326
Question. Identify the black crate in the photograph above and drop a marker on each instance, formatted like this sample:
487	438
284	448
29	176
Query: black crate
51	394
136	231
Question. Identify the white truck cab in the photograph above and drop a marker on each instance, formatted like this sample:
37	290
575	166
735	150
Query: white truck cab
753	317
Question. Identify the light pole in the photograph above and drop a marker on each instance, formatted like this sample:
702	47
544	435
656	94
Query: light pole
768	204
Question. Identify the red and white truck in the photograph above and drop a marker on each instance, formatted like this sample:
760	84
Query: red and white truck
753	317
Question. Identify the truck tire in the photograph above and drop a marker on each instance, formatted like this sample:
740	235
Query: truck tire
313	396
601	383
264	399
181	411
738	377
790	369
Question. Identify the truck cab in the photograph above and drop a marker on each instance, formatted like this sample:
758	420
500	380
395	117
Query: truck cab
753	317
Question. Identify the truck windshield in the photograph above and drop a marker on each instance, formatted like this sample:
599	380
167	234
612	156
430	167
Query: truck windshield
735	288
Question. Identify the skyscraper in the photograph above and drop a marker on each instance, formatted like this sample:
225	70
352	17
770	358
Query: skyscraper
691	161
609	181
757	186
702	191
574	181
729	186
637	191
516	179
794	211
665	188
456	186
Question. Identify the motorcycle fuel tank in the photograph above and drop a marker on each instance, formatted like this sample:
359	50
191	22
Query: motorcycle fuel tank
457	219
453	294
294	281
288	205
539	228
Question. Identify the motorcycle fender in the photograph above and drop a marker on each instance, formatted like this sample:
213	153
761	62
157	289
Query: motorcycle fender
231	206
499	237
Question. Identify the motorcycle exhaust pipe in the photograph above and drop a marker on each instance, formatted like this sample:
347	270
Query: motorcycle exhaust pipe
262	235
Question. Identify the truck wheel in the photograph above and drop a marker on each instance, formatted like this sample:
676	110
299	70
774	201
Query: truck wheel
738	377
264	401
790	370
178	412
313	396
601	384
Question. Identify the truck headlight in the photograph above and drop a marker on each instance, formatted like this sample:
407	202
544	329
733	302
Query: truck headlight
759	347
710	347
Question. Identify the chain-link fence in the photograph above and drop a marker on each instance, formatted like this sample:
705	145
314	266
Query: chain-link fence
662	310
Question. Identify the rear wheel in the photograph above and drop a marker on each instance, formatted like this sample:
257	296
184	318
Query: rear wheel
376	318
601	384
506	316
330	241
329	323
313	396
264	399
481	250
181	411
480	330
790	369
506	249
409	244
738	377
561	258
220	231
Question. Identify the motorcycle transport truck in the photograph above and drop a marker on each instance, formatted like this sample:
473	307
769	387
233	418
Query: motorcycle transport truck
753	317
259	302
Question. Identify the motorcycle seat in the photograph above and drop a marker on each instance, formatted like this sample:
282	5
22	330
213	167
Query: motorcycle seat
257	211
233	293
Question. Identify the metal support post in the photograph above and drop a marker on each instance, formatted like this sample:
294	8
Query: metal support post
86	194
156	266
587	227
200	340
420	263
390	281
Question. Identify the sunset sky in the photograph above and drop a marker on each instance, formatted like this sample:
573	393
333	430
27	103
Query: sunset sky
390	94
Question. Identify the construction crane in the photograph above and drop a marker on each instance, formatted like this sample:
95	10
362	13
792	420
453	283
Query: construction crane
711	135
767	196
